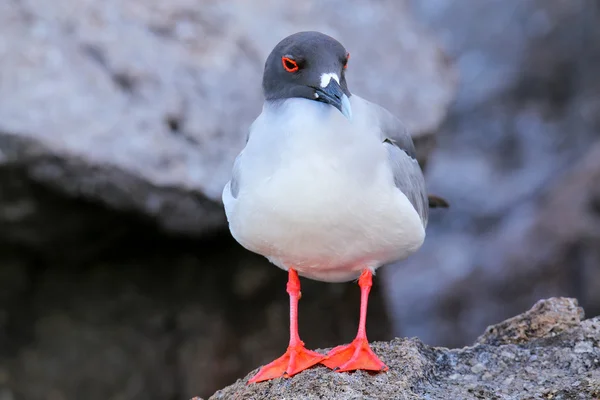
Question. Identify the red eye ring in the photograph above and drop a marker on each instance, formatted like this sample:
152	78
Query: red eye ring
289	65
346	63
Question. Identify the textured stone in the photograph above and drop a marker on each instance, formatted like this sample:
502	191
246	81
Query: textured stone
545	365
143	105
545	319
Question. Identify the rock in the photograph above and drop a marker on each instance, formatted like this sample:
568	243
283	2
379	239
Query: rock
544	365
510	160
545	319
119	121
34	217
141	316
567	230
142	105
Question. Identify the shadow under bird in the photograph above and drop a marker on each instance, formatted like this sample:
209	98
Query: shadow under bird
327	187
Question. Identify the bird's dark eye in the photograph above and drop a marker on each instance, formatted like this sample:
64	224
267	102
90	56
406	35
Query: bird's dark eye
346	60
289	65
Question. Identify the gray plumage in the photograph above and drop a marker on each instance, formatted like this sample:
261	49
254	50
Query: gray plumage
408	176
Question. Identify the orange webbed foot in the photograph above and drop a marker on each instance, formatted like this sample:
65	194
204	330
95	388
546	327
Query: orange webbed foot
354	356
296	359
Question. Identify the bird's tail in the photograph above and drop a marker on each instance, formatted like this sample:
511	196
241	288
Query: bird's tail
437	202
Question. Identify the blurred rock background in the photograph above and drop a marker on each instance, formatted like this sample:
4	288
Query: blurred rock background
119	122
518	158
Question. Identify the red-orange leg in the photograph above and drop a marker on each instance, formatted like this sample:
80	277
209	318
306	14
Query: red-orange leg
297	358
358	354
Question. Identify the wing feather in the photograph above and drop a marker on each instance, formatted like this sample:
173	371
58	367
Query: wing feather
402	157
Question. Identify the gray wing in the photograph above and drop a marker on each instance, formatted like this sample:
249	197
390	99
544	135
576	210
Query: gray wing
234	183
408	176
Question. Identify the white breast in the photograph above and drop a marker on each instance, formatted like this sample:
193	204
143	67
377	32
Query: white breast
316	194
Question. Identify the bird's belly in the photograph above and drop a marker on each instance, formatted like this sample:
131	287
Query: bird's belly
325	224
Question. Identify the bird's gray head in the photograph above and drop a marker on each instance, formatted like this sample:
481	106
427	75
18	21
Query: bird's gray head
308	65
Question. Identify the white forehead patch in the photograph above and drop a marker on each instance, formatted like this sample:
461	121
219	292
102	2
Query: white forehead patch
326	78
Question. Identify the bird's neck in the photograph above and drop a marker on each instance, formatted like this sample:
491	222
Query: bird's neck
303	119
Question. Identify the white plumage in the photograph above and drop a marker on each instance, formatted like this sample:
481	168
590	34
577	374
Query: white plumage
316	192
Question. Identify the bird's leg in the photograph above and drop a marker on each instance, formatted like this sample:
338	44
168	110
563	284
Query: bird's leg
297	358
358	354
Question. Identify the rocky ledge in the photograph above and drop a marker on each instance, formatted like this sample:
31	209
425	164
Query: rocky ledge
549	352
142	106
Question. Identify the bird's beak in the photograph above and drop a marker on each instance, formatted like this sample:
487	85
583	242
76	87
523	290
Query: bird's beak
334	95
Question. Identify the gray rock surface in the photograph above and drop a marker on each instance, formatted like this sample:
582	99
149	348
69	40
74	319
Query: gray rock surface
526	115
549	352
142	105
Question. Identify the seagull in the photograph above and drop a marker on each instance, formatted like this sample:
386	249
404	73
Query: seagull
327	187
